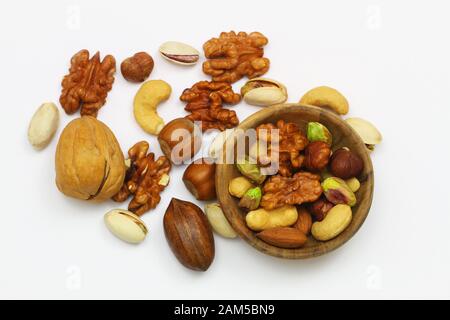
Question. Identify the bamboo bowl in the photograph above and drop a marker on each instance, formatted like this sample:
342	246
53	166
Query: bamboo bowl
343	136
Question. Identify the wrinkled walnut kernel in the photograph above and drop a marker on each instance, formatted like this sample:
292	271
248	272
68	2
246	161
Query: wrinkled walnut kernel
144	179
233	56
88	83
205	102
290	144
300	188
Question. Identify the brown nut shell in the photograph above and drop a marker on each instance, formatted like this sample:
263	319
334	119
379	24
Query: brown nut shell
89	162
283	237
320	208
138	67
304	221
180	140
189	234
199	179
345	164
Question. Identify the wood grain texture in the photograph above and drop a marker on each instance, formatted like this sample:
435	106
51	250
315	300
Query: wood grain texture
343	136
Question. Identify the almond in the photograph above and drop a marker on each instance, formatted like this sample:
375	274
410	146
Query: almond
283	237
304	221
189	234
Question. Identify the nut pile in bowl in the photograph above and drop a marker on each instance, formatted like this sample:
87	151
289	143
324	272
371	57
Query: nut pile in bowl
283	209
315	197
312	190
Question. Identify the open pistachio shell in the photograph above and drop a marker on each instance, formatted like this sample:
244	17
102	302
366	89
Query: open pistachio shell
179	53
318	132
250	170
264	92
366	130
126	225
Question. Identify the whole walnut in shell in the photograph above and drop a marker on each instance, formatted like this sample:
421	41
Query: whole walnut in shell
89	162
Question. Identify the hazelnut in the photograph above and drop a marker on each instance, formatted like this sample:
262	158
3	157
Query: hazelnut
138	67
320	208
345	164
180	140
317	155
199	179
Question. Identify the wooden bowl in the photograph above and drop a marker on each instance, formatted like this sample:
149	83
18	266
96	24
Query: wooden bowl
343	136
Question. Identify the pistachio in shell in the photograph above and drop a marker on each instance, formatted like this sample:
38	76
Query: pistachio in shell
264	92
179	53
126	226
250	170
89	162
318	132
338	192
251	199
366	130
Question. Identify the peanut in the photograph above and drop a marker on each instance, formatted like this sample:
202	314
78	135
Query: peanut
43	125
353	184
262	219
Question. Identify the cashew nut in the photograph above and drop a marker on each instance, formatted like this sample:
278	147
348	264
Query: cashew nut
326	97
147	99
262	219
336	220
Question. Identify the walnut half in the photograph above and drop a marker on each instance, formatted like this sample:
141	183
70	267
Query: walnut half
205	102
145	179
232	56
88	83
300	188
291	142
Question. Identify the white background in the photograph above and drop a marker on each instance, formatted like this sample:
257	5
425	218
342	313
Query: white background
390	58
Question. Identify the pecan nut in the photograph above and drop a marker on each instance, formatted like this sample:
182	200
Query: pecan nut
145	179
88	83
300	188
205	102
233	56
